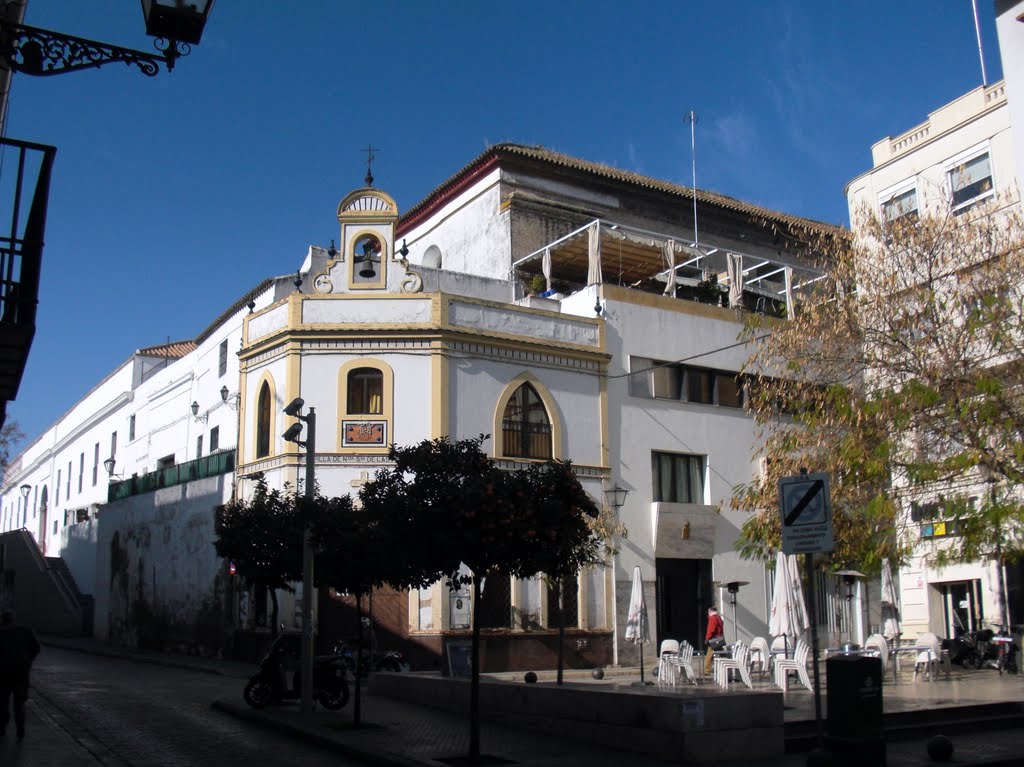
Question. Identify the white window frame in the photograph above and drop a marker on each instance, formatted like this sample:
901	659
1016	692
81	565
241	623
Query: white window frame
891	192
963	157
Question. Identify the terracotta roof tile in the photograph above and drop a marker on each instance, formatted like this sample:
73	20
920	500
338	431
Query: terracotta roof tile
173	350
550	157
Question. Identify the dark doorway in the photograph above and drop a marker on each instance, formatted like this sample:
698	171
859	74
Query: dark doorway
683	594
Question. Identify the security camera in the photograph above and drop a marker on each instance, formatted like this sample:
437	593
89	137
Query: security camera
293	433
295	406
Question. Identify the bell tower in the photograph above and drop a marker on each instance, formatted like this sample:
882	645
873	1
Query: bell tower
365	258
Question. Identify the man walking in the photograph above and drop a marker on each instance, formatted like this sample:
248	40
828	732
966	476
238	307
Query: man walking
18	648
714	638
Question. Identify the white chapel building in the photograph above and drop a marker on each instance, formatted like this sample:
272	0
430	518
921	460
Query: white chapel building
567	309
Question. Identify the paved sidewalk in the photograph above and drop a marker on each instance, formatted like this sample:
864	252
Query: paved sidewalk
405	735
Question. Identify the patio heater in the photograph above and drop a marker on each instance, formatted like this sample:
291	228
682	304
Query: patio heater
849	577
733	587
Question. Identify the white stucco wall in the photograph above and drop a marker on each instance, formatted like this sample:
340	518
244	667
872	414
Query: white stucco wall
156	548
1011	50
724	436
164	427
471	232
978	120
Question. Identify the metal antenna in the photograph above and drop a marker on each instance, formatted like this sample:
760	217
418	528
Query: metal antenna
691	117
370	149
977	32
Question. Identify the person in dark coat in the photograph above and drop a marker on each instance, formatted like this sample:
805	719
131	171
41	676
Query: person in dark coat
18	648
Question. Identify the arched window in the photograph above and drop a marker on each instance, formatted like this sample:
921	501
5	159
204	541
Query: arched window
525	425
263	421
365	392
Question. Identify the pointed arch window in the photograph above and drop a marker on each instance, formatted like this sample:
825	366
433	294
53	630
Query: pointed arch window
263	421
525	425
365	392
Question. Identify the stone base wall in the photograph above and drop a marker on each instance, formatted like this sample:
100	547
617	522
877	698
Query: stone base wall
690	725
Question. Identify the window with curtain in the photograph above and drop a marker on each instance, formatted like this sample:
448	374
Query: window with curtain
901	205
970	181
677	478
525	425
365	392
263	421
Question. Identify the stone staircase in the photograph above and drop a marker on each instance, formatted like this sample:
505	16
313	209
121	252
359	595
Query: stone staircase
41	589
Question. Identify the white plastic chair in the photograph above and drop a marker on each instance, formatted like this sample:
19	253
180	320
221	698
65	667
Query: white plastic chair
740	661
666	670
877	642
761	655
785	666
928	653
683	663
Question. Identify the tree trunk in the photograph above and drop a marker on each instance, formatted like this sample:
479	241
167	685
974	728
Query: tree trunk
474	678
561	629
356	708
273	612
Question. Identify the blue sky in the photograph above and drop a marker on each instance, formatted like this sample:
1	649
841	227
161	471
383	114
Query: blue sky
173	196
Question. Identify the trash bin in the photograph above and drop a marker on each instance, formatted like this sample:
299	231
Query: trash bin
854	691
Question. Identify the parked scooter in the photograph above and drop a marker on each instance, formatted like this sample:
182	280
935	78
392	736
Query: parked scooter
380	660
280	676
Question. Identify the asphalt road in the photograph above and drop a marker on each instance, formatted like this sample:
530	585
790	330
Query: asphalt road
87	710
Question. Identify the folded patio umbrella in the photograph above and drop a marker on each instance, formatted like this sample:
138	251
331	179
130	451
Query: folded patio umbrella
890	604
638	629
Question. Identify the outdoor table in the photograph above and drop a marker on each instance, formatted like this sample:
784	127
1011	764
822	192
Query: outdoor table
894	657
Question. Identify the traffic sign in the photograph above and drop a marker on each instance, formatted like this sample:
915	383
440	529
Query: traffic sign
806	505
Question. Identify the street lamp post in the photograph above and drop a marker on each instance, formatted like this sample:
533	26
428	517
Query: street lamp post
292	435
42	52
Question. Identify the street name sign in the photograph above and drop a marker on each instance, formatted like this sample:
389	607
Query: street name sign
806	505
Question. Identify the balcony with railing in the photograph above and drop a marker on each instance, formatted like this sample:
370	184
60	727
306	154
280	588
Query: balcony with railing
24	192
606	252
212	465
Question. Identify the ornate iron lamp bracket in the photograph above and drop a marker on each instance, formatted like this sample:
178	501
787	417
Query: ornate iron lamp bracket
42	52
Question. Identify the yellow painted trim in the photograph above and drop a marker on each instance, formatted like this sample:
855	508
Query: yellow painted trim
557	451
390	214
440	379
602	398
243	411
382	268
267	378
388	392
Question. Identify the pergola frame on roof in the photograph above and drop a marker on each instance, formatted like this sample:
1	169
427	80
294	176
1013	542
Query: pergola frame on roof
635	257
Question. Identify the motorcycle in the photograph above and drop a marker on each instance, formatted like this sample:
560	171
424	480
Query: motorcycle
1005	650
380	660
280	676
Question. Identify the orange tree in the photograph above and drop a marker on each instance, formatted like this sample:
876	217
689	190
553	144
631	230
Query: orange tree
562	534
263	538
353	555
445	504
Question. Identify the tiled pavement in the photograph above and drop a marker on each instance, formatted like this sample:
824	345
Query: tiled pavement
397	733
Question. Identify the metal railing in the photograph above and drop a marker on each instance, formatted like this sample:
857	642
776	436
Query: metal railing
24	191
209	466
